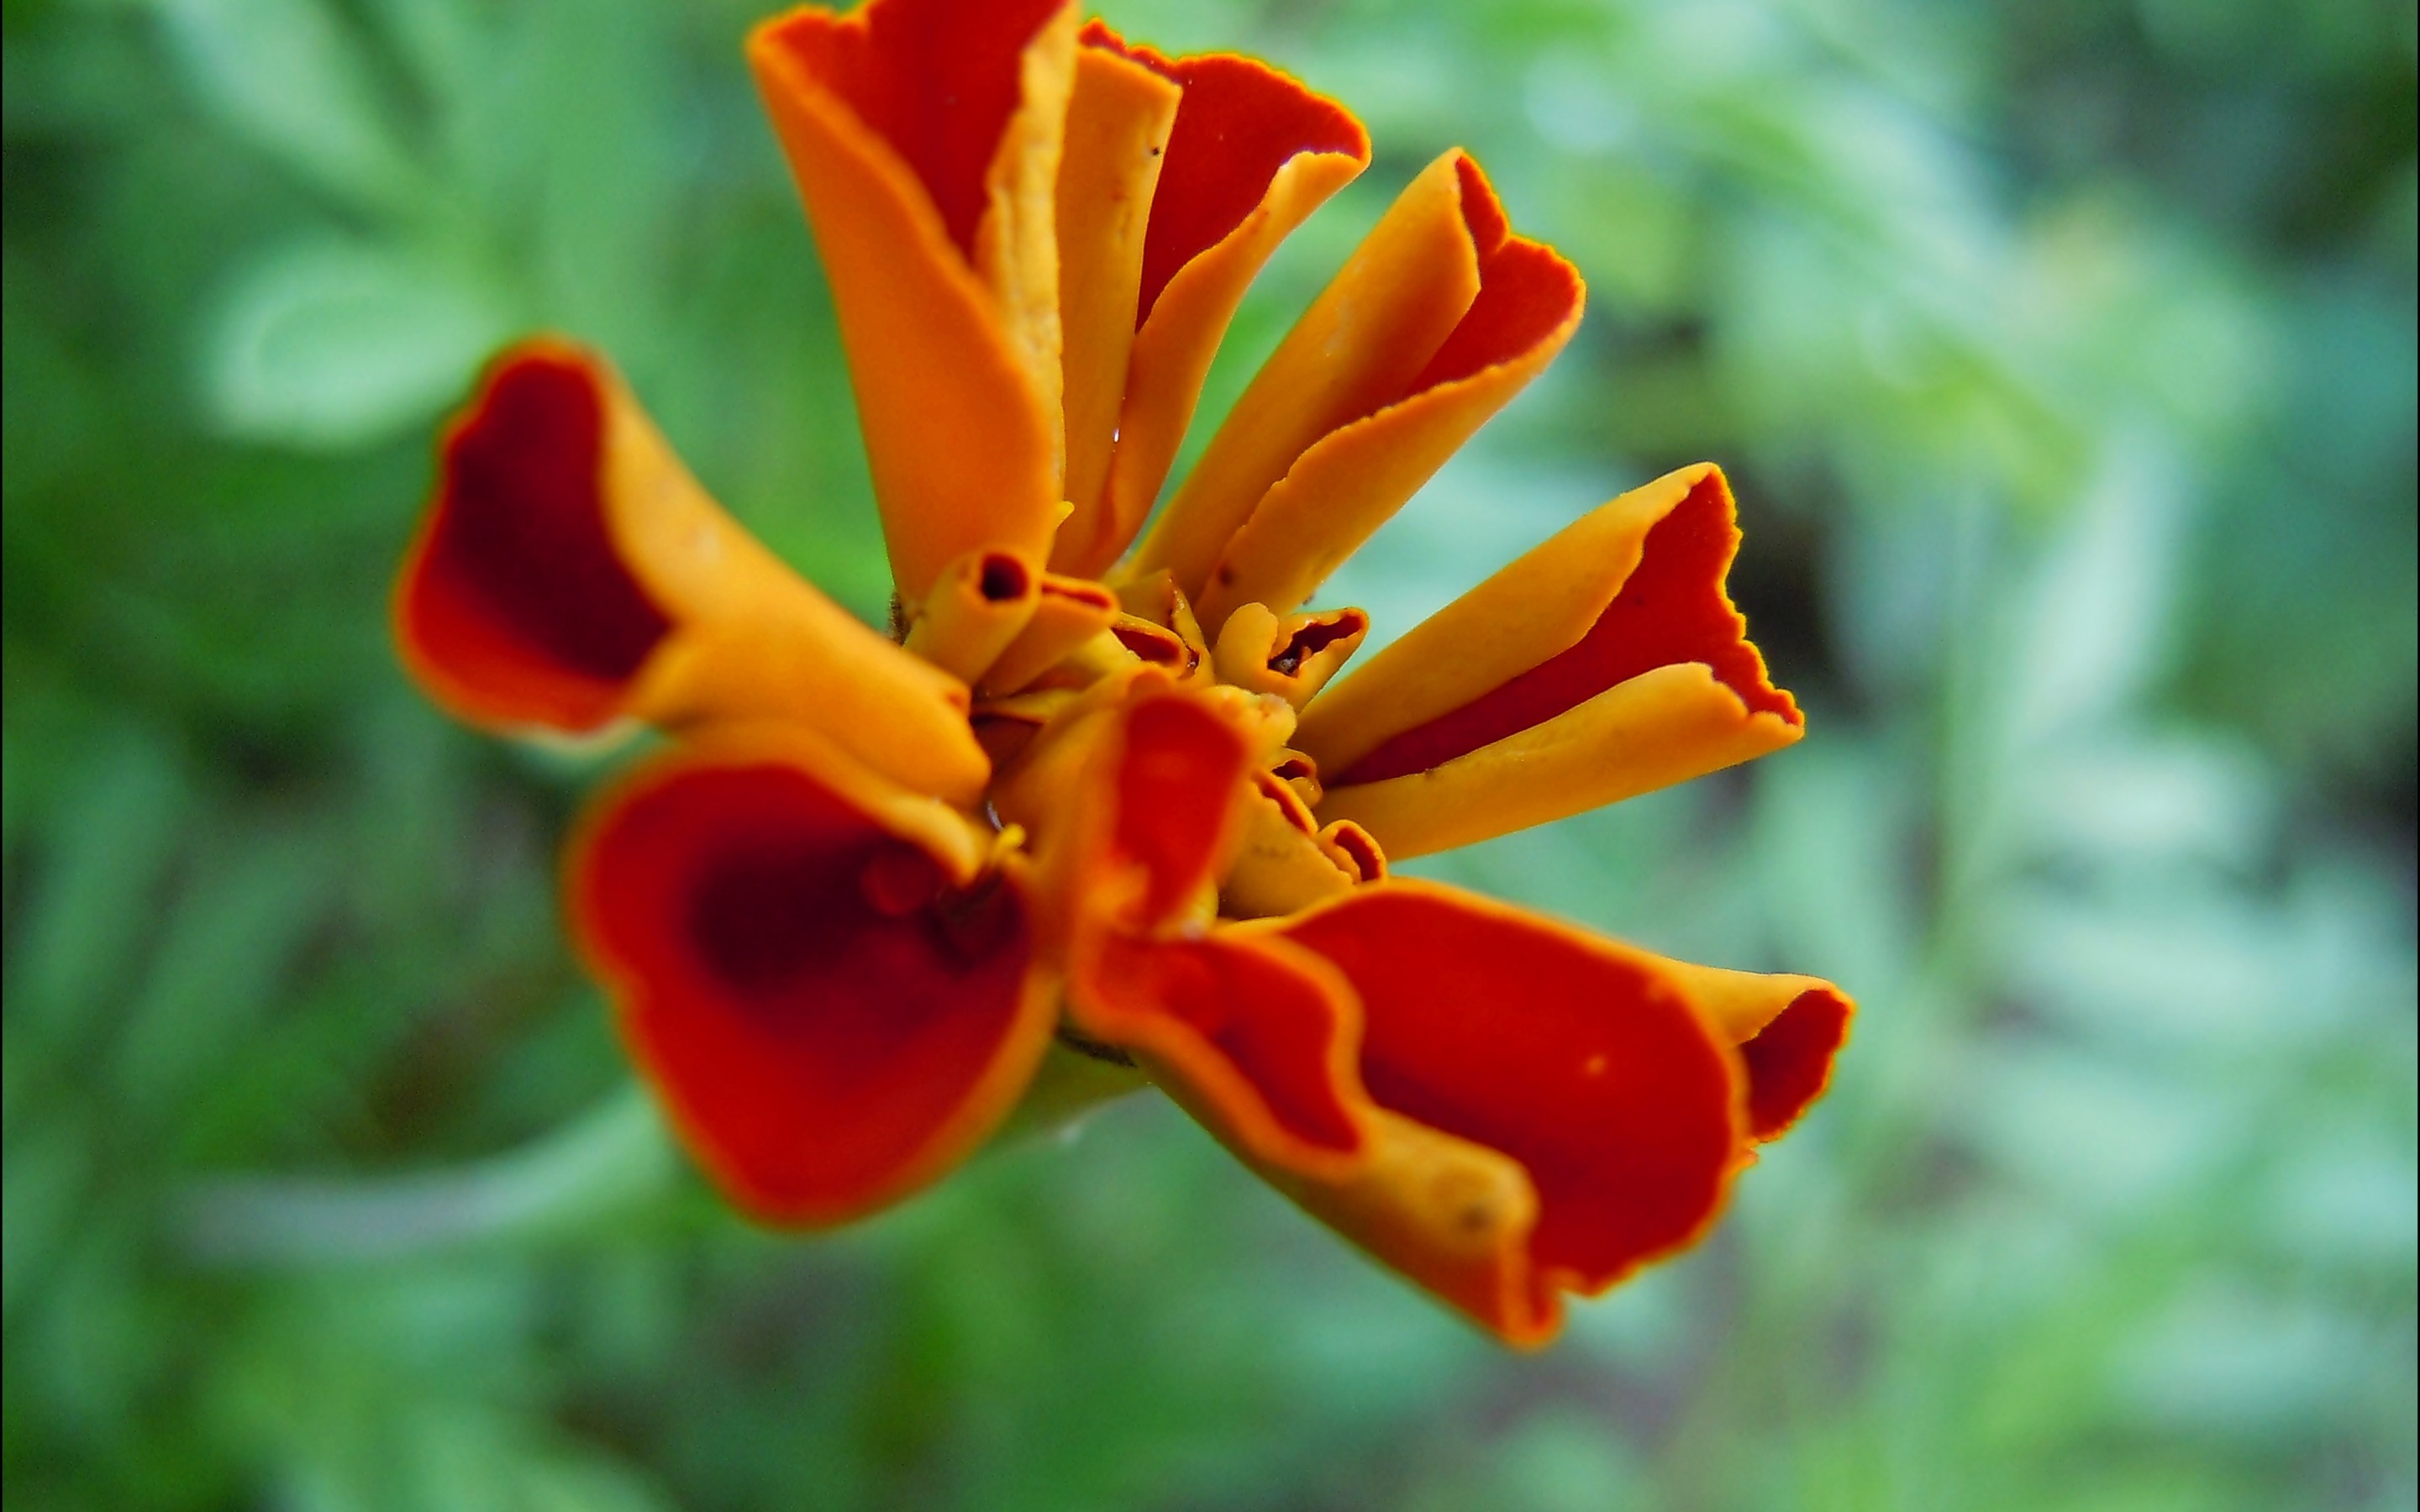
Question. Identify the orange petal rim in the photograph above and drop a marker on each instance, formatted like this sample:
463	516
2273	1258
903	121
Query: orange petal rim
833	1001
1672	609
1569	1054
515	607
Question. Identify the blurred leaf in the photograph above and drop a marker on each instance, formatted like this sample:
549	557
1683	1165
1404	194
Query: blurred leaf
328	344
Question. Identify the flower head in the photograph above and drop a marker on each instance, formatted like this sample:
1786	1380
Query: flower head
1102	792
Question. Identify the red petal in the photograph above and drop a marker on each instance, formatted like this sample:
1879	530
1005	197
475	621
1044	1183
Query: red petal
935	79
1254	1037
516	593
831	1021
1563	1051
1672	609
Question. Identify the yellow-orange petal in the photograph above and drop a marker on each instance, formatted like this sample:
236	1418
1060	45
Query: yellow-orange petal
569	572
925	138
1353	480
1789	1031
832	999
1249	155
1604	663
1358	348
1583	1061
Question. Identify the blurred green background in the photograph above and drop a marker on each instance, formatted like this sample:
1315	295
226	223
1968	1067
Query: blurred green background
2063	355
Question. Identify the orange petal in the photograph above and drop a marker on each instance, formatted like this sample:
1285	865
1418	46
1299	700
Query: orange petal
1249	155
833	1001
1606	662
924	137
1353	480
1355	350
1580	1060
569	572
1254	1037
1789	1031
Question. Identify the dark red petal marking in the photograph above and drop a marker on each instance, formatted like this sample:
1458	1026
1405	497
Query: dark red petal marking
813	999
1525	291
1237	124
1671	609
1176	785
935	79
1591	1073
1789	1061
1274	1026
519	595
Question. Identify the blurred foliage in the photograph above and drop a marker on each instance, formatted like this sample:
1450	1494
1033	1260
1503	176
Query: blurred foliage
2063	355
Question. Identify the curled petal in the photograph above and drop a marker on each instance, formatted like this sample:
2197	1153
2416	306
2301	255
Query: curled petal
1606	662
1251	153
1280	863
926	140
833	1000
1582	1061
1355	852
569	573
1789	1029
1292	657
980	603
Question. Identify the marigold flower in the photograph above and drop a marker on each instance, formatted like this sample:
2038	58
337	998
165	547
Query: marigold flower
1104	795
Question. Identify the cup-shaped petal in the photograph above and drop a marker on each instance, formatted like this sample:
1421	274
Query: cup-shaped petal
926	140
1606	662
1490	1035
1440	317
832	994
571	572
1182	175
